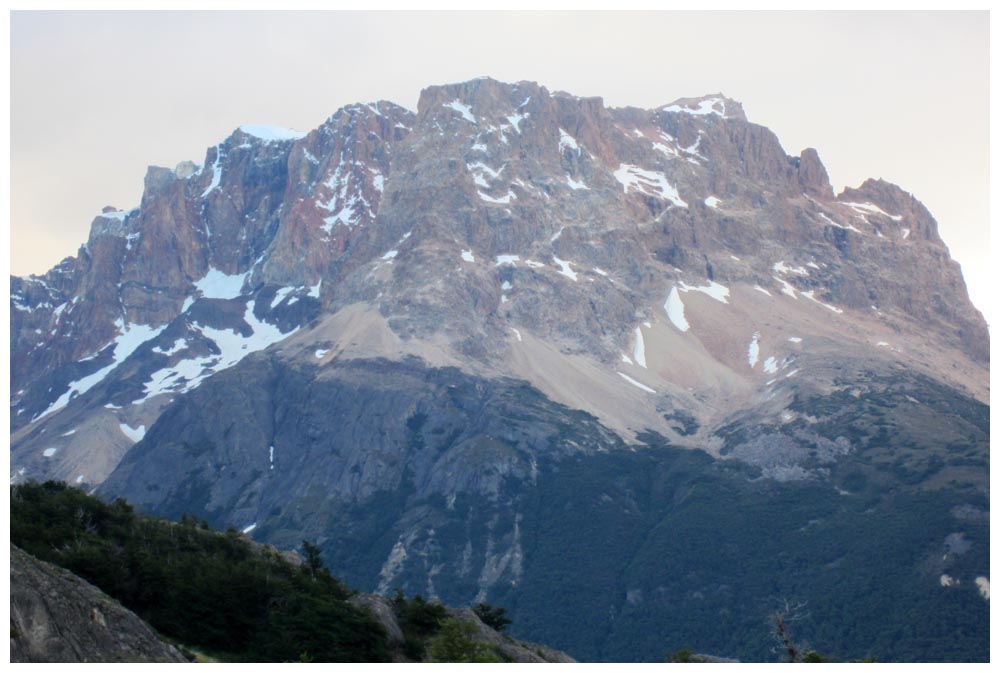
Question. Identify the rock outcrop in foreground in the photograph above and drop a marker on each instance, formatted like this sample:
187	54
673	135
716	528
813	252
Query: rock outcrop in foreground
57	617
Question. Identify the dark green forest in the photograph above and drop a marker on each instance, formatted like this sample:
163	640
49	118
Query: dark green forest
219	594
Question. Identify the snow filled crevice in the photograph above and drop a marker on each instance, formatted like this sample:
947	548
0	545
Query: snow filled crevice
714	290
636	383
132	336
652	183
675	310
232	347
753	350
216	172
567	142
217	284
639	351
463	109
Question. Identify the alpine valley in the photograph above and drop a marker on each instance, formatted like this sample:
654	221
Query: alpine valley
638	376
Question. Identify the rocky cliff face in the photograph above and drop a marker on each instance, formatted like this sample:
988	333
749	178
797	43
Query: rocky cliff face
455	305
57	617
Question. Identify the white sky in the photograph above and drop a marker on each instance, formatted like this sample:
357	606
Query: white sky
97	97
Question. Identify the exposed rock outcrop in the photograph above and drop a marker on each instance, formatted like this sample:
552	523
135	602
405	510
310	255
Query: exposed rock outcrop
57	617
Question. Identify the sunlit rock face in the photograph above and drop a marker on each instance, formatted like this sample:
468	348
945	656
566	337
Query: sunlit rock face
402	334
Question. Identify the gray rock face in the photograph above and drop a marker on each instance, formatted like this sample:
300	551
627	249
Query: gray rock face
496	209
458	305
57	617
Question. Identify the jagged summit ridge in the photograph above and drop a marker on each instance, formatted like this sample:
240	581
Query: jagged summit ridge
496	214
452	344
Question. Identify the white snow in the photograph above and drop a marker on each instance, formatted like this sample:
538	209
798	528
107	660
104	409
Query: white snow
233	347
753	351
506	285
809	295
760	289
533	264
669	152
984	587
786	287
320	352
480	167
468	256
216	172
675	310
479	147
314	290
269	133
79	479
636	383
187	304
905	232
391	254
67	434
555	236
270	456
503	199
503	299
573	184
652	183
693	149
280	295
708	106
135	434
639	352
218	285
882	344
463	109
565	268
795	340
48	453
600	271
871	208
516	119
626	359
131	338
771	365
714	290
178	346
841	226
516	333
114	215
249	528
781	267
566	141
712	202
507	259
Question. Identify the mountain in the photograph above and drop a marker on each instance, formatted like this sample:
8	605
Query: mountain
520	347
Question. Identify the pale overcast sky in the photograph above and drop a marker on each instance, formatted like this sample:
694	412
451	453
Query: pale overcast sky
96	97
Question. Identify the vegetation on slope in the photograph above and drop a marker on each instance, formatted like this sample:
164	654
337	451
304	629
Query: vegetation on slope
220	593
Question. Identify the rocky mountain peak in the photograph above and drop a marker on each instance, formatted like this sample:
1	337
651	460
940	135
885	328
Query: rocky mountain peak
523	310
711	104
